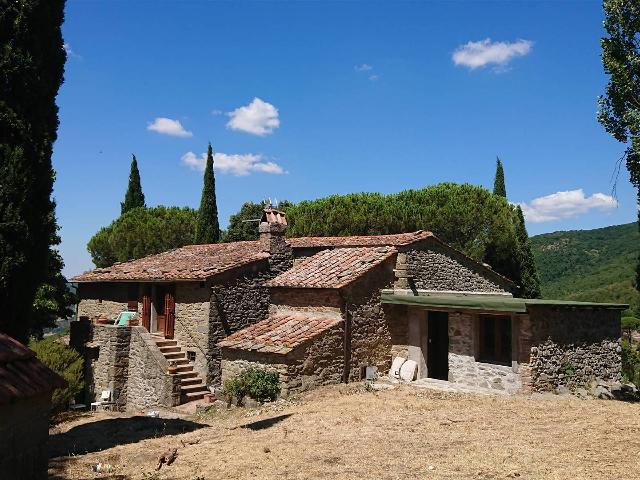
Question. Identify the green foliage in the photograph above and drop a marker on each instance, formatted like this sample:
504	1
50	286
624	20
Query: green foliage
499	187
528	280
242	229
134	197
568	369
67	363
53	300
31	72
589	265
208	228
468	217
141	232
620	106
631	362
261	385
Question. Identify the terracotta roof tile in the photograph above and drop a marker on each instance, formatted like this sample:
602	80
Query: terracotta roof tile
334	268
280	333
192	262
22	375
395	240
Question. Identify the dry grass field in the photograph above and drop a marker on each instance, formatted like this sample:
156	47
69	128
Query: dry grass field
346	432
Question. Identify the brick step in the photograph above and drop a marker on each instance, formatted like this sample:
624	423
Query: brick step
184	368
187	375
193	388
190	381
188	397
170	349
180	361
166	343
174	356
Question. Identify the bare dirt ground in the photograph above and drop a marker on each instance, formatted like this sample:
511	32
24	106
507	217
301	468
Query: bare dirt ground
346	432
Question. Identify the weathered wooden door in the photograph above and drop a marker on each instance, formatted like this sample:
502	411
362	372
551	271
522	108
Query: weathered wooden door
146	311
169	313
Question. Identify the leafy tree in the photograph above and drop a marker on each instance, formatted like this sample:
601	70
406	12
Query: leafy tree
208	228
141	232
527	278
499	187
31	72
468	217
244	224
134	197
620	106
53	300
67	363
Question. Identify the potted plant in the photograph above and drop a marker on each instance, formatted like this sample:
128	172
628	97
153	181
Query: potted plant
102	320
172	369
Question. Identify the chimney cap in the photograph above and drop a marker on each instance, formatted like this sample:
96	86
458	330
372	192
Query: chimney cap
271	215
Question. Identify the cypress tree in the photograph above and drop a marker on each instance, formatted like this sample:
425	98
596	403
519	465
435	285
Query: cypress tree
208	228
134	197
31	72
529	280
499	187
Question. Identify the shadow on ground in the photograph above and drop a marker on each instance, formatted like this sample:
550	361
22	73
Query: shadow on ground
266	423
108	433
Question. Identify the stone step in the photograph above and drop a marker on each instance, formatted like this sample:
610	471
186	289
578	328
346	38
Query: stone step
184	368
170	349
181	361
187	375
174	356
166	343
188	397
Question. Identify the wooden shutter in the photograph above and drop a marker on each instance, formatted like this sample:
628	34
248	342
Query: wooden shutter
170	314
146	311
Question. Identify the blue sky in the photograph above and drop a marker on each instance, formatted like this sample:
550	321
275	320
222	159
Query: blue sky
306	99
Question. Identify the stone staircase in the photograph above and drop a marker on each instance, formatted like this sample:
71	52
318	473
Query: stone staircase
192	386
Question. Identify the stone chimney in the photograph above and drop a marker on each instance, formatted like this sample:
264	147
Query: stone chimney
272	227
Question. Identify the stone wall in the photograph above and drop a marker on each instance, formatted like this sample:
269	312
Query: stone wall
435	268
370	333
149	385
571	347
124	360
24	430
320	362
102	299
192	322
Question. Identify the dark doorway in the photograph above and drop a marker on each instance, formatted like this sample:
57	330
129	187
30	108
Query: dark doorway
438	345
495	339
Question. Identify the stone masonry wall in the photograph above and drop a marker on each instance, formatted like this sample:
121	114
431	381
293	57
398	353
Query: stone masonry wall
571	347
463	367
102	299
149	385
370	332
435	269
192	322
24	429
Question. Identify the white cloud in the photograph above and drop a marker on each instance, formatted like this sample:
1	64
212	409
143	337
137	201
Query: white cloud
562	205
259	118
70	53
485	52
216	112
167	126
374	77
235	164
364	67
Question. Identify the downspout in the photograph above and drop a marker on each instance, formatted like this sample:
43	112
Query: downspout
347	338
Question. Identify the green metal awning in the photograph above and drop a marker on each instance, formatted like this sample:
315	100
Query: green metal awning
498	303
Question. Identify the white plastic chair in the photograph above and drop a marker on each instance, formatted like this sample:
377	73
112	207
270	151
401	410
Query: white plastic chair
105	400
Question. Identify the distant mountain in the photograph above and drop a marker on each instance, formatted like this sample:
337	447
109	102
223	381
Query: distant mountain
589	265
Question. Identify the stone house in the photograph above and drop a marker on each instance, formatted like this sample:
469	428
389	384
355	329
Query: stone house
319	310
26	386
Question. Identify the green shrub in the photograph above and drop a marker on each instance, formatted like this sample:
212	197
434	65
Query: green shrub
261	385
67	363
631	362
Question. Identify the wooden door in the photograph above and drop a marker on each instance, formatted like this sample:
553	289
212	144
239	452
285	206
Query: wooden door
160	303
146	311
169	313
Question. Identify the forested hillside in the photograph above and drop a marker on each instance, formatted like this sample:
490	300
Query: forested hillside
589	265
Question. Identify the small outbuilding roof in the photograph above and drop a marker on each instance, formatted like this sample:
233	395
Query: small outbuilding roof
280	333
332	268
484	302
192	262
22	375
